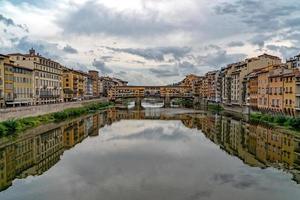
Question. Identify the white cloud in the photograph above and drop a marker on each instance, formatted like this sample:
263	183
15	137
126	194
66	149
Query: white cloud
143	40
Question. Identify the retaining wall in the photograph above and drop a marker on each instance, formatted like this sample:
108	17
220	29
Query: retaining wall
30	111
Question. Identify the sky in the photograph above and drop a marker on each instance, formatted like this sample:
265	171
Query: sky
150	42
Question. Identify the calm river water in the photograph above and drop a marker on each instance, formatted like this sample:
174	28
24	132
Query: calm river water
152	154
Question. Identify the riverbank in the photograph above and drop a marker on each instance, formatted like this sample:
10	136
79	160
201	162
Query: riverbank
32	111
284	123
14	126
291	123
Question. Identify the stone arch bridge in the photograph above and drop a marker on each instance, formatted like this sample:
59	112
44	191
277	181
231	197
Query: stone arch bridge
167	93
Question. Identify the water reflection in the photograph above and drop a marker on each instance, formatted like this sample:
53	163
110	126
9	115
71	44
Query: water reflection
35	152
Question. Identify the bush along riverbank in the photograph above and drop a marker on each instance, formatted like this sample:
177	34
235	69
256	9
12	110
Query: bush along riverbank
215	107
11	127
286	122
186	103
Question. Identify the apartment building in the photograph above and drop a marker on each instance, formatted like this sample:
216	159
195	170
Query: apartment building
96	82
235	75
289	89
294	62
47	76
2	102
8	81
189	80
68	84
89	87
74	84
198	87
106	83
23	86
262	90
252	89
210	86
275	89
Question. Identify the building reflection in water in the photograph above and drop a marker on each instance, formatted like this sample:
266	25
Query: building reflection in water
34	153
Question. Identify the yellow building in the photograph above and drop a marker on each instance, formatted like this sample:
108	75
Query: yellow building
23	86
262	90
189	80
8	82
2	103
68	85
289	88
47	76
74	84
235	90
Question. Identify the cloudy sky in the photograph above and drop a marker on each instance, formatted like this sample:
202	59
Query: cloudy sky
150	41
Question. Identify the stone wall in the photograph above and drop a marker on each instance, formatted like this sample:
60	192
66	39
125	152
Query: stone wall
20	112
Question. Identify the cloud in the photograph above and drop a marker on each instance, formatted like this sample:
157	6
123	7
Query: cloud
287	52
164	72
10	22
156	133
69	49
238	181
100	65
93	18
47	49
235	44
262	16
156	53
260	39
219	58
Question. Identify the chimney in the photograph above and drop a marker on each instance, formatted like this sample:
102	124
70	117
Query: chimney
32	52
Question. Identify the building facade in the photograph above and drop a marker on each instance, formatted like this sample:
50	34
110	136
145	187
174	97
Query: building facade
47	76
2	102
23	86
96	82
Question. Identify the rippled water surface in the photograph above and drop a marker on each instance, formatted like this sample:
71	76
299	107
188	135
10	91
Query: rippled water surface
151	155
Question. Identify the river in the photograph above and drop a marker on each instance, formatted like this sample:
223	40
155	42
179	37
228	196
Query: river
151	154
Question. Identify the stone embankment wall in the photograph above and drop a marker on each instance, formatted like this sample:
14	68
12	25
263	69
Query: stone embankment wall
30	111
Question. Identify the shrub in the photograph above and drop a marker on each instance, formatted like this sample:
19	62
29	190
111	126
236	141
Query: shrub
14	126
280	120
3	130
11	126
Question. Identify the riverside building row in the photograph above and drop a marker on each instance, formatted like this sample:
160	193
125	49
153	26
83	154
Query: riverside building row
31	79
262	83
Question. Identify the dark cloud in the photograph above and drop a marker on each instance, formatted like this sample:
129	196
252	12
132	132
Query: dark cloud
69	49
223	178
285	51
100	65
164	72
186	67
236	44
212	47
46	49
94	18
238	181
219	58
200	195
156	133
260	39
293	22
226	8
107	58
157	53
262	16
10	22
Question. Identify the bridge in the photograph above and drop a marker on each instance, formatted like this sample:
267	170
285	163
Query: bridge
167	93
